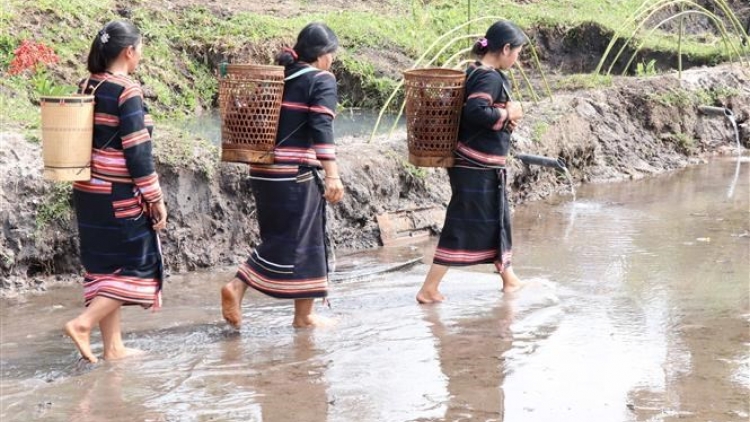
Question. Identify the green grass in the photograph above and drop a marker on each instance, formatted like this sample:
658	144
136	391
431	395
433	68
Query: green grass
683	98
584	81
538	130
56	205
684	141
175	66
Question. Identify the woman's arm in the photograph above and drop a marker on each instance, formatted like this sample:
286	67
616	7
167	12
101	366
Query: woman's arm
322	103
137	148
480	108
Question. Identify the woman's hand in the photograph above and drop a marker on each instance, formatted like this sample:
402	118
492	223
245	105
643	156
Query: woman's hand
158	213
334	189
515	111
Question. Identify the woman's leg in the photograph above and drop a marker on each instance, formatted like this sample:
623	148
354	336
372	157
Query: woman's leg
511	282
429	292
231	301
112	337
304	315
79	329
111	334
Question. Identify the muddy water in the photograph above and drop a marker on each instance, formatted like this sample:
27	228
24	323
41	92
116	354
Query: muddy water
350	123
636	310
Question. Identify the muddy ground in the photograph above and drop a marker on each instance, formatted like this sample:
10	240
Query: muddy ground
637	128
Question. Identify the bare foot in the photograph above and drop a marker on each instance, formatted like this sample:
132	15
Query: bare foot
80	336
123	353
313	320
425	297
230	305
512	284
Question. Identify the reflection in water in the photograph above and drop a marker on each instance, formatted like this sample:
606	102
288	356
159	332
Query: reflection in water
107	393
471	353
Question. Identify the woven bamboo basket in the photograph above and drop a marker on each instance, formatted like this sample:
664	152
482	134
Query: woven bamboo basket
67	136
249	104
434	99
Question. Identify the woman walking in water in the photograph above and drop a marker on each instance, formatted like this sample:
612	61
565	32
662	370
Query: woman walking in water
121	206
477	227
290	194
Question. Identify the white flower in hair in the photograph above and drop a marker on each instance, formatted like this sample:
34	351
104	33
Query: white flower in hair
104	37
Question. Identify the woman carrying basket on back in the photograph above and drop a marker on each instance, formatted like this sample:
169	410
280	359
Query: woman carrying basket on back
121	206
477	227
290	195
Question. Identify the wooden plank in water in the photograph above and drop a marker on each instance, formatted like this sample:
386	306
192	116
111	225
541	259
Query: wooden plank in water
409	225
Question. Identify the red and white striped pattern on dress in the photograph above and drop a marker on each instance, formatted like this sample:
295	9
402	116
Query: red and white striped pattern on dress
465	257
305	156
94	185
325	151
136	138
279	287
129	290
474	155
111	165
129	208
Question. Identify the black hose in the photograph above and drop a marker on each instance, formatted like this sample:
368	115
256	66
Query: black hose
555	163
715	111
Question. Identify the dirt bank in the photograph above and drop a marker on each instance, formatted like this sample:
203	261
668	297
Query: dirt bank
636	128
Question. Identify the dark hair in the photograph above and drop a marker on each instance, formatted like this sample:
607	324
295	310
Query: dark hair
315	40
499	34
109	42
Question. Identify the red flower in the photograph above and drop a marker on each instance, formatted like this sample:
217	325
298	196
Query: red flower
29	55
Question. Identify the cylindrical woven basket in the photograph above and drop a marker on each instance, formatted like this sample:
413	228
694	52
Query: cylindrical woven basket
434	99
67	136
250	104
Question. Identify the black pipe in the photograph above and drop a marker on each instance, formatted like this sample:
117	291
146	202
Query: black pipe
715	111
555	163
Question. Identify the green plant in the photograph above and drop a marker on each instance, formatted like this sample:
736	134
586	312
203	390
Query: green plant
646	69
56	205
585	81
42	86
414	171
685	141
674	98
538	130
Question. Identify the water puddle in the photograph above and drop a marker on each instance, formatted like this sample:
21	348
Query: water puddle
350	123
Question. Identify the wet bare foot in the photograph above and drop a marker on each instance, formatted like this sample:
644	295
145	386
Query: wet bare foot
312	321
425	297
80	336
230	305
512	284
123	353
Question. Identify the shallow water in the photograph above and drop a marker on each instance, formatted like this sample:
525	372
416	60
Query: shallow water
350	123
637	309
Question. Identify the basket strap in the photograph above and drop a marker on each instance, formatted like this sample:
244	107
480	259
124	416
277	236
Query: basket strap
98	85
300	73
289	78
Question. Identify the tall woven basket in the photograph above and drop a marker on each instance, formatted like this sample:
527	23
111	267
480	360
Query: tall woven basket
67	136
434	99
249	104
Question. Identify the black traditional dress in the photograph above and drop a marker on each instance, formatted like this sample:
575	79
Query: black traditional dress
290	261
119	248
477	227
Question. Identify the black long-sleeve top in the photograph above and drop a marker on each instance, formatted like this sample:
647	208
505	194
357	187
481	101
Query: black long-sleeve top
483	136
305	135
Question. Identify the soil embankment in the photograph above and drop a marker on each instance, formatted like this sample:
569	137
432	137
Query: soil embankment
635	128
